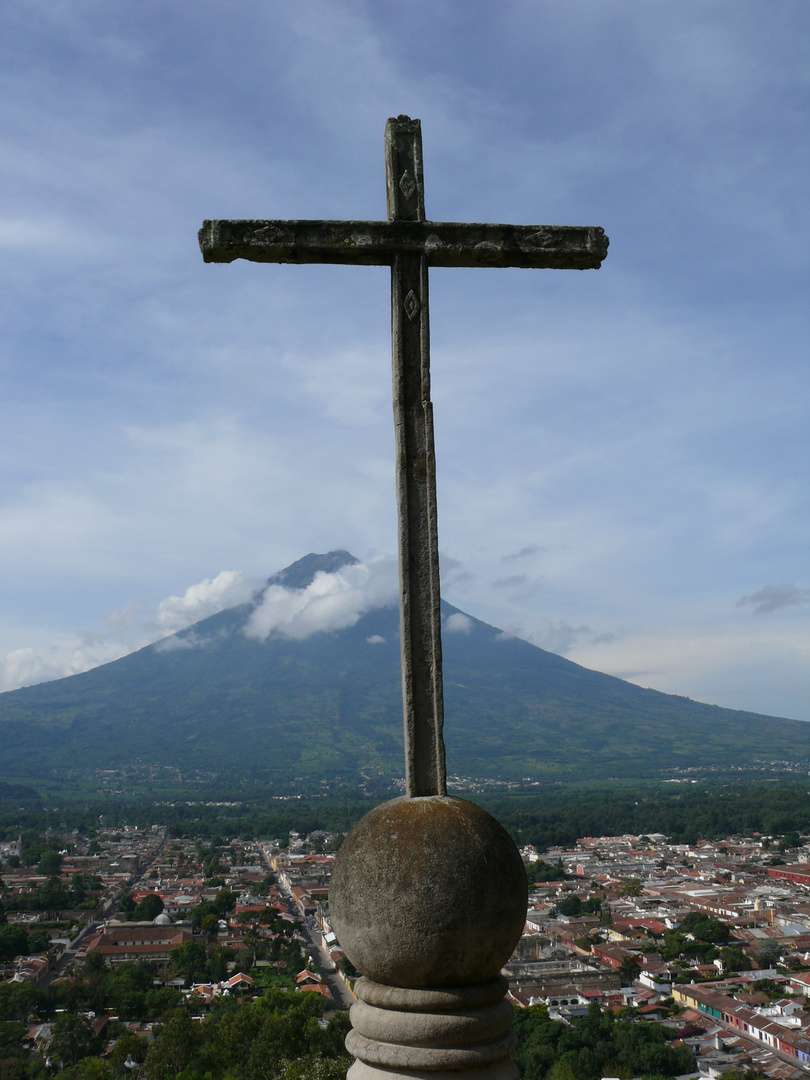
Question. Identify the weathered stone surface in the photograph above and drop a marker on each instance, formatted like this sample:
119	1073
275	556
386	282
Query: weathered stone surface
462	1028
504	1069
420	620
428	893
430	1058
377	243
432	1033
448	999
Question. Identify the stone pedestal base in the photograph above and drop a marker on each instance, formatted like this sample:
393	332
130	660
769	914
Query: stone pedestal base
429	893
453	1033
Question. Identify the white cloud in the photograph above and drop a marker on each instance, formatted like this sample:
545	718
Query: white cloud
458	623
176	642
23	667
376	639
557	637
331	602
126	629
27	666
228	589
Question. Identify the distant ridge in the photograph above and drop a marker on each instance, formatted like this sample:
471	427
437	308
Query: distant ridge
211	700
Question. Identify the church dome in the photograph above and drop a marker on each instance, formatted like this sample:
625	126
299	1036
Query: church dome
162	919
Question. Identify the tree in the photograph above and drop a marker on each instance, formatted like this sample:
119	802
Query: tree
174	1047
127	906
314	1068
790	840
54	898
628	972
189	959
72	1039
95	964
218	964
95	982
128	1047
77	888
348	968
734	959
50	863
705	929
149	908
13	1068
19	1000
13	942
570	906
209	924
594	1046
540	870
11	1036
225	901
631	886
770	987
93	1068
39	941
252	942
768	954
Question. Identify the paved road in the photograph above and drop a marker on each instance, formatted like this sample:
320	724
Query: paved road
344	998
67	957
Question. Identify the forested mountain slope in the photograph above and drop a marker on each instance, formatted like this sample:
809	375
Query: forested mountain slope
329	706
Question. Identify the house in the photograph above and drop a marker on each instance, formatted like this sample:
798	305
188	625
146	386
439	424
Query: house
798	873
124	943
306	980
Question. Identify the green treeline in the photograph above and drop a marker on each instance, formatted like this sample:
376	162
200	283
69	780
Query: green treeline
258	815
279	1037
282	1036
596	1045
683	813
131	992
546	817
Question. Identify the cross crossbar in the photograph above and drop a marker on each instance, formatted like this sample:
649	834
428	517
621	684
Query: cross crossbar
410	245
377	243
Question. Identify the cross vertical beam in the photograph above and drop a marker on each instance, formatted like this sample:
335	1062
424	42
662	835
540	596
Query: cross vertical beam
418	537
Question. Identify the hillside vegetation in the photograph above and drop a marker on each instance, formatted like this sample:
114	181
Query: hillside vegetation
328	708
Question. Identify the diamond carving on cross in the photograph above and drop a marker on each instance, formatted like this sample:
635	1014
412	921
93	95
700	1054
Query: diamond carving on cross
410	244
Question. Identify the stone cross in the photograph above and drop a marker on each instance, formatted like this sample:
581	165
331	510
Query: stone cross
410	244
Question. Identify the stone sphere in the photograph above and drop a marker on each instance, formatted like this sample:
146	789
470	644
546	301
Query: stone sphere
428	892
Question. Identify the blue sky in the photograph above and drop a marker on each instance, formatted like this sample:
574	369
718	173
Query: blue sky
622	454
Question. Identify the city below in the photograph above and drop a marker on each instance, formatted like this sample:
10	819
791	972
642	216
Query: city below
710	942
